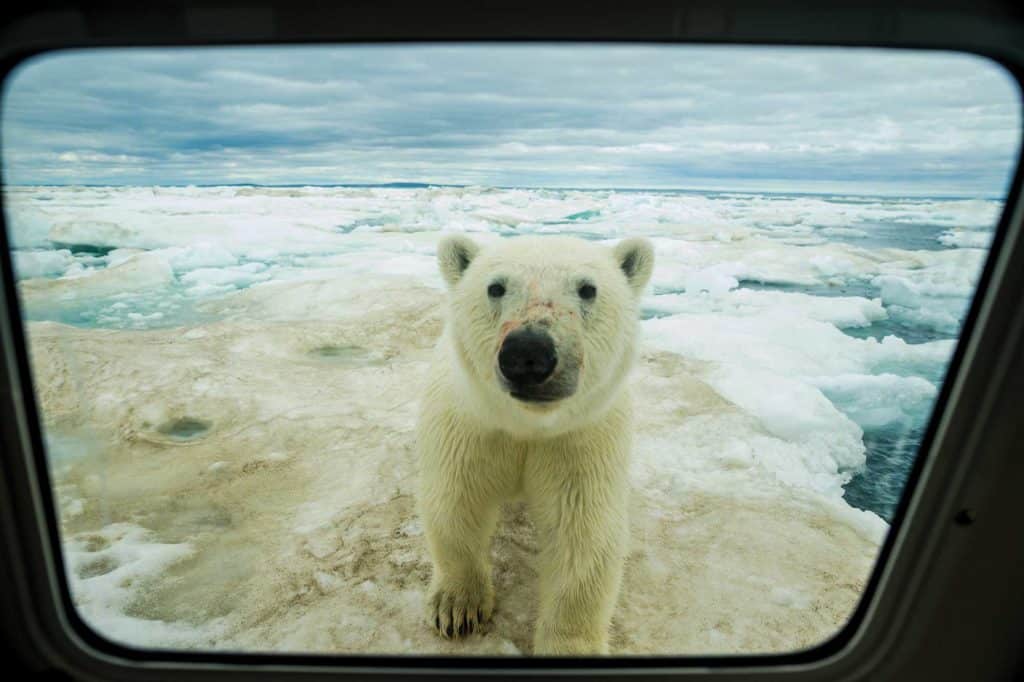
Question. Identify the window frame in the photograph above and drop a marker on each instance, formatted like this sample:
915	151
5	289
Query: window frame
968	404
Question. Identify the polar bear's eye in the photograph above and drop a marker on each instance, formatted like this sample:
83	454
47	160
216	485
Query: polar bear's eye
496	290
587	292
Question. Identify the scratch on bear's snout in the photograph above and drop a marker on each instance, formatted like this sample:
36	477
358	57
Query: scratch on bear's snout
506	328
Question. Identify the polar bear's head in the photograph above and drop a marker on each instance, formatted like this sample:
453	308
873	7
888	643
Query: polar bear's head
542	329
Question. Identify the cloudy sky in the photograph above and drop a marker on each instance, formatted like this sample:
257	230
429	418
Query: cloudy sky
516	115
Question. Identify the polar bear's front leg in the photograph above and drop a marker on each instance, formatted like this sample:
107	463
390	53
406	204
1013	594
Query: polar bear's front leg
580	509
458	529
463	479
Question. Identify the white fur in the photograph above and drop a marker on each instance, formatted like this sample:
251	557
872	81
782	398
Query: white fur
479	447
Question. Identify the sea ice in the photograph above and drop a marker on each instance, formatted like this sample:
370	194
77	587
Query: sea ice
329	532
137	271
242	462
40	263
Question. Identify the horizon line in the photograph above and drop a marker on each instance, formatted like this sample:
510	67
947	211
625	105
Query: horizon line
427	185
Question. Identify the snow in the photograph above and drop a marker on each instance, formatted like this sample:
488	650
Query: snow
296	324
201	255
109	571
792	345
321	549
966	238
39	263
841	311
204	281
135	272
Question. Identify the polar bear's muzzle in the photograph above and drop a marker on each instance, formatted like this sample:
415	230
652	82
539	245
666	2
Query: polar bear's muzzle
529	367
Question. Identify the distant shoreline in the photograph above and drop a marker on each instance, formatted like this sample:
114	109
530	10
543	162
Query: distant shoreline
431	185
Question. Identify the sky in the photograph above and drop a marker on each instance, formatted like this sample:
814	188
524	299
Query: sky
610	116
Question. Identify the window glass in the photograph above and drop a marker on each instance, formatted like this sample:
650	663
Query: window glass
235	266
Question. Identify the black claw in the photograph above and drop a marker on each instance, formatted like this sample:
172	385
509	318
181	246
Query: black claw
448	630
437	622
479	616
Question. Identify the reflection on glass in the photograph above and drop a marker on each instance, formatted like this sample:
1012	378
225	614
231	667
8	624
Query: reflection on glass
226	263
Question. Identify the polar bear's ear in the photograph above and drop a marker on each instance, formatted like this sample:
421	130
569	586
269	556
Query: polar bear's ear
454	254
636	258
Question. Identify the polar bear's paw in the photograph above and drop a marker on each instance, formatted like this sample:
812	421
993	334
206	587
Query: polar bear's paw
457	608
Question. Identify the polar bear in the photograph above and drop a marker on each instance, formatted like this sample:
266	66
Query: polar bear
527	399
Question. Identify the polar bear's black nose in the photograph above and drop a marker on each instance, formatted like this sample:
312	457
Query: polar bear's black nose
527	357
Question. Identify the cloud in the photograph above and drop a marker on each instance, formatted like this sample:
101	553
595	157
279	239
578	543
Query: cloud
571	116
